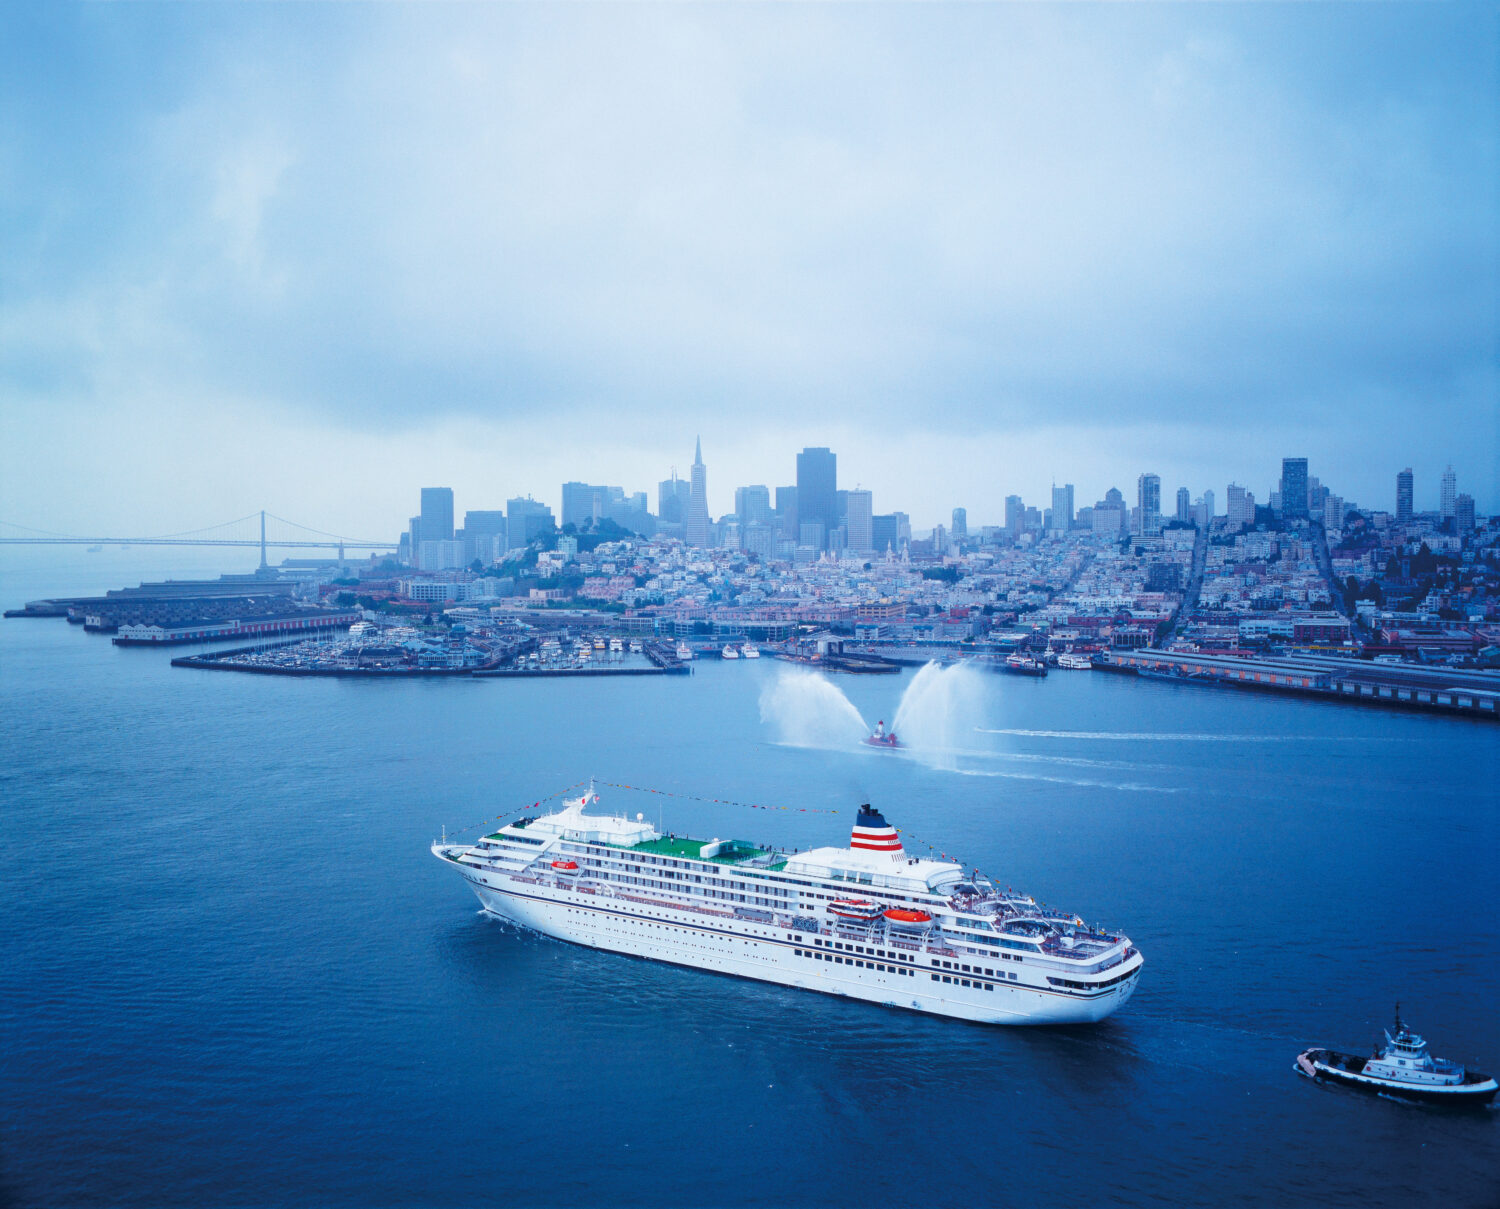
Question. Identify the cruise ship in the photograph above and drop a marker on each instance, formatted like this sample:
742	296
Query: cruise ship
867	922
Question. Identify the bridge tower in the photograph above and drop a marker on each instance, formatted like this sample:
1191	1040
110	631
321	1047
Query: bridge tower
262	539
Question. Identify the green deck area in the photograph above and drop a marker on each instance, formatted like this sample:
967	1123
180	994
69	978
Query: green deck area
683	849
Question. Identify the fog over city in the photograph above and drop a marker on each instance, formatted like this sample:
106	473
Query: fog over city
312	258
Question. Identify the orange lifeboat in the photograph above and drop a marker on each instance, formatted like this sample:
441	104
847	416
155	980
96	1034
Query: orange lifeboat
905	917
565	866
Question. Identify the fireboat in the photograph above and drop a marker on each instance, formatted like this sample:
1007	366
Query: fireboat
882	737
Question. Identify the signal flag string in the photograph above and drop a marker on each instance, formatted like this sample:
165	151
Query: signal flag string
519	809
667	793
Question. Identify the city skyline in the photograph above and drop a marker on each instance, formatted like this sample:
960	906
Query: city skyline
1188	239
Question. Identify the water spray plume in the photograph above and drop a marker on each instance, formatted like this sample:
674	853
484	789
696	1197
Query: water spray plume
805	709
940	707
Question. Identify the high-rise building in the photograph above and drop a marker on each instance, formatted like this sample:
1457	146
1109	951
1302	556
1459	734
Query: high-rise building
1241	505
786	511
1148	492
903	529
525	519
1208	507
861	522
437	514
1062	508
1184	505
960	524
582	504
695	520
1403	496
1110	515
672	497
1450	493
1463	513
753	505
1294	487
1333	512
759	539
811	533
817	489
480	531
883	534
414	539
1015	515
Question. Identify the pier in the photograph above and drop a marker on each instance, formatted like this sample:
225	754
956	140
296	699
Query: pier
1462	691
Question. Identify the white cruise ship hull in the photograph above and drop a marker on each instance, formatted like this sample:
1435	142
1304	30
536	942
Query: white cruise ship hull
745	948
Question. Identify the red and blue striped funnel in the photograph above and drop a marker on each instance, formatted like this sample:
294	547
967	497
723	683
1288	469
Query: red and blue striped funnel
873	833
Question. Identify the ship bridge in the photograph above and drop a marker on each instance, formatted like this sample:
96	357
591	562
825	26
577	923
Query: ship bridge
864	867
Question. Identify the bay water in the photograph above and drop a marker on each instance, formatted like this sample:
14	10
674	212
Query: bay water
233	974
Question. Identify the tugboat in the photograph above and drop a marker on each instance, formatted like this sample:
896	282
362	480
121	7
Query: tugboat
882	737
1404	1069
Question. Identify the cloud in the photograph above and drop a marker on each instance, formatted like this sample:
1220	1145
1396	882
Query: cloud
996	221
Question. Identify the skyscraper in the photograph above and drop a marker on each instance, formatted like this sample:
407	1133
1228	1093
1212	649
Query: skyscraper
1015	515
752	505
1062	507
1148	493
1184	504
582	504
1450	493
817	489
960	525
860	520
524	520
1403	495
786	511
883	533
437	514
1294	487
480	531
695	521
1463	513
672	497
1208	507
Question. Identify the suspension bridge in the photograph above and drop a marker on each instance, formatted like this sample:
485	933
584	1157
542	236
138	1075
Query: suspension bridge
283	535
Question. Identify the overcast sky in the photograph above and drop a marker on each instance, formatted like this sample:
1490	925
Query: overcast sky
312	258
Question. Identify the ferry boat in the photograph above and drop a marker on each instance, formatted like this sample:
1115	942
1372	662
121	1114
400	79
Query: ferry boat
880	737
867	921
1025	665
1075	663
729	652
1405	1068
750	651
684	652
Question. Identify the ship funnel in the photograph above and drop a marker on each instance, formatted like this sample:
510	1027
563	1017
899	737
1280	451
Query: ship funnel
874	834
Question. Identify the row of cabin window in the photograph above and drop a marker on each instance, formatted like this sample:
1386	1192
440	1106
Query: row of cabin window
851	961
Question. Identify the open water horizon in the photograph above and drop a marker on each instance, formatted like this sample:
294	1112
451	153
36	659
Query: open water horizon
233	974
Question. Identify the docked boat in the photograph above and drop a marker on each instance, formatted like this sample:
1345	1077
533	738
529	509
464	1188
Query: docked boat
1075	663
867	921
684	651
1024	665
750	651
1405	1068
729	652
880	737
